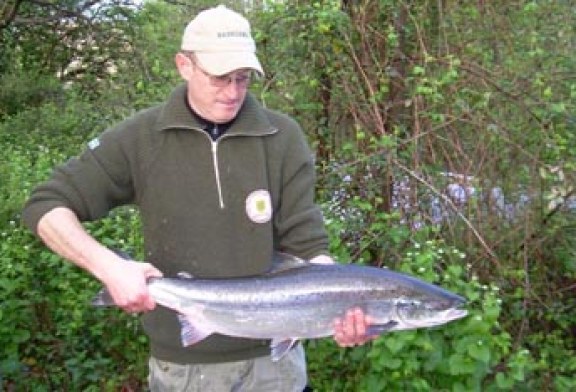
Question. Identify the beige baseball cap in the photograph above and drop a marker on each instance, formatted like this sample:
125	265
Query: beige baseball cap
221	40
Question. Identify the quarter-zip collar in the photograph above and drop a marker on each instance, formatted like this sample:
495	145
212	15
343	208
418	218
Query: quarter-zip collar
250	121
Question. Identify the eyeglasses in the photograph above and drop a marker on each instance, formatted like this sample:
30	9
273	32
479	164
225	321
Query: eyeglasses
241	78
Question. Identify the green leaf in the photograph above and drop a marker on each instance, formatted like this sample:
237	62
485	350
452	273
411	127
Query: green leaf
394	345
480	352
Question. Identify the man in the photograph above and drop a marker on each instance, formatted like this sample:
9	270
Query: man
221	183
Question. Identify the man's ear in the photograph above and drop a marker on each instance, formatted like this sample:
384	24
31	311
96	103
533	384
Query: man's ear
184	65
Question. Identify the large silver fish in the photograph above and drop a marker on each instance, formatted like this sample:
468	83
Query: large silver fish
299	300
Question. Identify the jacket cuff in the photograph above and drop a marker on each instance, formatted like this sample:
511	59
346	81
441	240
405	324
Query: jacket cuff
32	213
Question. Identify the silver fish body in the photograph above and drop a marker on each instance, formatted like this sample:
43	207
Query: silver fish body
301	301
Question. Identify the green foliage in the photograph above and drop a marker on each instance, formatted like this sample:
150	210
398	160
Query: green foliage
476	353
50	338
32	148
461	356
21	90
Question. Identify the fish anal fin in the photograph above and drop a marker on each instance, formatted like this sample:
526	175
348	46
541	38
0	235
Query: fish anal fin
190	332
279	347
379	329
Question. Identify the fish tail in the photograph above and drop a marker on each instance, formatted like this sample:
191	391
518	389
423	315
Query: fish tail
103	298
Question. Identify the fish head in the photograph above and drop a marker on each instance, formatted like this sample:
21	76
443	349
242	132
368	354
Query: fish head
429	310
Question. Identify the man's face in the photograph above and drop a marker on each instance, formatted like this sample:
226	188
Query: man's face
215	98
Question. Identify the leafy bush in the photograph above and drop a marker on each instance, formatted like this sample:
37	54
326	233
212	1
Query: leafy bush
50	336
21	91
461	356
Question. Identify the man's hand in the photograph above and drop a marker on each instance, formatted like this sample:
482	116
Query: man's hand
126	282
353	328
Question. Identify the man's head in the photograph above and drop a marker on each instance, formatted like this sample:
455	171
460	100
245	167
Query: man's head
217	58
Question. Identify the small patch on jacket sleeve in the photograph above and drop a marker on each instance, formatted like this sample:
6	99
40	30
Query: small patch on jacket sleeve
94	143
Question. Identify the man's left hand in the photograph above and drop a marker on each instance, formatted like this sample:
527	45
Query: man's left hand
352	329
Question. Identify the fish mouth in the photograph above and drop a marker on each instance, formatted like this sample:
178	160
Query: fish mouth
455	311
455	314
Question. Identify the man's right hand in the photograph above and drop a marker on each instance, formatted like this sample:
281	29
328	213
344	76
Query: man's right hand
126	283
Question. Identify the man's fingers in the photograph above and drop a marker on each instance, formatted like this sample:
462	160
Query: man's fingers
350	324
143	305
338	332
359	322
126	281
352	329
150	271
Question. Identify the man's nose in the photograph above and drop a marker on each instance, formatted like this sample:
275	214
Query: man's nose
234	89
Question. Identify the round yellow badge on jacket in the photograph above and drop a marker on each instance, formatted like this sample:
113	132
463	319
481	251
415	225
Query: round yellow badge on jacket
259	206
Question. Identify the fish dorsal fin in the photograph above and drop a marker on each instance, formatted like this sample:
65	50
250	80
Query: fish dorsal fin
284	262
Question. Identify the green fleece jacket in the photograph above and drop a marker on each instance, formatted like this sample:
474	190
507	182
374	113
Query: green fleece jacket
211	208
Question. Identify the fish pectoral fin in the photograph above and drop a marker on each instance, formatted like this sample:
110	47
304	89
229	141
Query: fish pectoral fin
279	347
379	329
190	333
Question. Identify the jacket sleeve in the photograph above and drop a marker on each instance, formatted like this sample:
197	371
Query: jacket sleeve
298	221
90	185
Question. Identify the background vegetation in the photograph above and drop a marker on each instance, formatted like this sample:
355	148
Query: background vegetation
445	140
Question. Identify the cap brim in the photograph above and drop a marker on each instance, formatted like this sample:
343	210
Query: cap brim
222	63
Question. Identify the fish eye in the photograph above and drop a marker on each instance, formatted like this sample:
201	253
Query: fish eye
408	303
